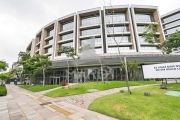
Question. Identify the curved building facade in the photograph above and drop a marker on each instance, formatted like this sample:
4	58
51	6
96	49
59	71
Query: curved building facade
104	29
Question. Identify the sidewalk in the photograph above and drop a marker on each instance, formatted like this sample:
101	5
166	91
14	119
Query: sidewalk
20	104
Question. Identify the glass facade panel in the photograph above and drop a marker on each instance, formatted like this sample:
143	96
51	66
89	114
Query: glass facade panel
175	23
67	36
117	29
67	44
172	30
49	50
116	48
90	31
141	28
97	41
116	18
50	32
119	39
90	21
148	48
172	17
144	17
67	26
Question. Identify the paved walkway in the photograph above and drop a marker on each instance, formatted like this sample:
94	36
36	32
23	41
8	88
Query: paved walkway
20	104
84	100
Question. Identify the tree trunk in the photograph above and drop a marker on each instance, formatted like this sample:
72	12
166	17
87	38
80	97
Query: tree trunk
68	74
43	77
102	74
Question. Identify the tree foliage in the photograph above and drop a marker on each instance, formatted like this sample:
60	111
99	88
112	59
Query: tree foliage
3	65
69	51
131	68
149	33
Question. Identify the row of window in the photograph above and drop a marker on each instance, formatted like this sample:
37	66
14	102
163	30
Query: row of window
170	18
172	30
172	24
118	39
90	21
66	36
67	26
117	29
146	17
92	41
90	31
115	18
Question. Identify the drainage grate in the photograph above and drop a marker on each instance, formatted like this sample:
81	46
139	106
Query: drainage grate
46	103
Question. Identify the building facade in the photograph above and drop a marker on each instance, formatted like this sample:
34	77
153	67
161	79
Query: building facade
171	23
104	29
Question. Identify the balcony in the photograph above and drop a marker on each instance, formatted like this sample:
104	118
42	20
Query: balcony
48	45
90	26
38	43
37	50
66	31
66	40
49	37
88	36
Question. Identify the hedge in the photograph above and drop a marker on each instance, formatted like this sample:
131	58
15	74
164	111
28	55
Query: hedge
3	90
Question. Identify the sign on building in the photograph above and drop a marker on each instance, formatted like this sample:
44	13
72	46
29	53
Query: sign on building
165	70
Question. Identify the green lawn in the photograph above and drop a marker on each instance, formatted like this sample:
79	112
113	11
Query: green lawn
38	88
3	90
157	106
173	86
83	87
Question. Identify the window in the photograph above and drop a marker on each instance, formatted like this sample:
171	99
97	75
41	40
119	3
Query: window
120	48
90	31
172	24
149	48
94	41
172	17
141	28
67	36
172	30
118	39
39	38
48	50
116	18
142	40
49	42
117	29
144	17
90	21
67	44
50	32
67	26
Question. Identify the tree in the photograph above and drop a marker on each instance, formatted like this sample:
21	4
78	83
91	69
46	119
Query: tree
70	52
4	76
172	43
3	65
131	68
42	63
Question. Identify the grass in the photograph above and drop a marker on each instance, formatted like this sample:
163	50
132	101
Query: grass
83	87
173	86
3	90
136	106
38	88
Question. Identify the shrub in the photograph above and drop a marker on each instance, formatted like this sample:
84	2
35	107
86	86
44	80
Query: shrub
3	90
63	83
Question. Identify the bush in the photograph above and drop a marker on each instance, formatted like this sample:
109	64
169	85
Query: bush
3	90
63	83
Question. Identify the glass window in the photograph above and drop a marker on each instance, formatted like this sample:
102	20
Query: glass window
117	29
67	36
116	18
90	21
172	30
48	50
149	48
95	41
175	23
50	32
120	48
90	31
142	40
67	26
118	39
67	44
144	17
141	28
49	42
172	17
